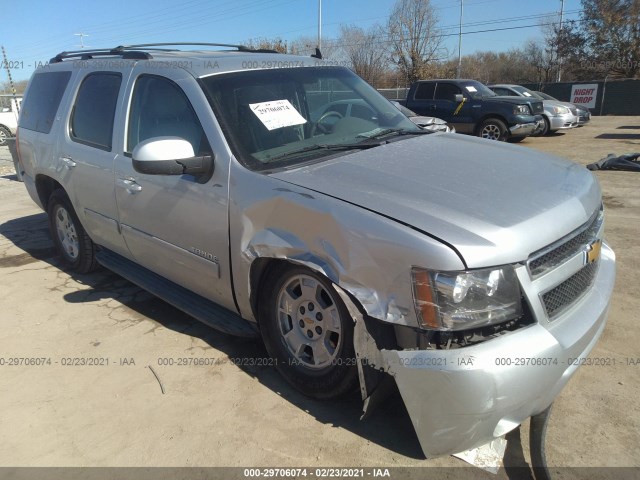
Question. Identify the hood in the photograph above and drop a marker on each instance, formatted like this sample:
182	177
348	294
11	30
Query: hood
514	100
536	105
495	203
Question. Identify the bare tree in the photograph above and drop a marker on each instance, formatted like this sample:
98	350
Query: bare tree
306	45
276	44
363	50
415	41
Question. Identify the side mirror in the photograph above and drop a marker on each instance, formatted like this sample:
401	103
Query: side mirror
459	98
169	156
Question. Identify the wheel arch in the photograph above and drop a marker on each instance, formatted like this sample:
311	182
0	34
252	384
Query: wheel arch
262	267
490	116
45	186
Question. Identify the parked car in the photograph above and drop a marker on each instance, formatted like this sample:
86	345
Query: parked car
582	112
473	108
471	273
328	115
556	116
9	110
426	123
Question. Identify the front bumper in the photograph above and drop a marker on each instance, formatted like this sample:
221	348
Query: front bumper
584	118
463	398
563	122
527	128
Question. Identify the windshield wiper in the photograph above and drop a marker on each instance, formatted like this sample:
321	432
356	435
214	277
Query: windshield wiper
343	146
393	131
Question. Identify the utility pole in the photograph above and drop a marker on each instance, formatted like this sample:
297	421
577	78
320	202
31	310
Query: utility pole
559	76
460	43
81	35
320	25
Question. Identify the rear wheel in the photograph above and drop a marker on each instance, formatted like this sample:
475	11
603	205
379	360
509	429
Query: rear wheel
493	129
76	249
308	331
4	134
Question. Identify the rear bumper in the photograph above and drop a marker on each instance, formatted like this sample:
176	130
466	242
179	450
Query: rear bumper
463	398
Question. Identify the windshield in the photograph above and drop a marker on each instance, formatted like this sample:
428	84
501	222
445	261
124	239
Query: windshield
276	118
546	96
525	92
477	89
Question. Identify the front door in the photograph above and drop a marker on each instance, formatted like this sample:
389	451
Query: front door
176	225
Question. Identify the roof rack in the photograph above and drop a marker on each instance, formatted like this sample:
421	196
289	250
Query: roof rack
141	51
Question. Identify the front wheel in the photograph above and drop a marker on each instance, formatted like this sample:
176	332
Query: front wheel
308	331
546	128
76	249
493	129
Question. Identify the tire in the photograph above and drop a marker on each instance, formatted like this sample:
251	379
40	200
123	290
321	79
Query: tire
545	129
493	129
315	357
74	246
4	134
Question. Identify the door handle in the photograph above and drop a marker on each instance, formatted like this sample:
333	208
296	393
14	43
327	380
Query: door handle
68	162
130	184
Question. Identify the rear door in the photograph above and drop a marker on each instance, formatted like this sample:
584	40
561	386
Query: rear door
175	225
422	102
87	152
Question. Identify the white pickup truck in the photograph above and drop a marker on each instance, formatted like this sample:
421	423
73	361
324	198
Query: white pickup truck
9	110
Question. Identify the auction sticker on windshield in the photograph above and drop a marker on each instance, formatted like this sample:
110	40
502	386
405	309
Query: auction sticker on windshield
277	114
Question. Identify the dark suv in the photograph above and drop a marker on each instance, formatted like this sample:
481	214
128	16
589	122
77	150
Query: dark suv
474	109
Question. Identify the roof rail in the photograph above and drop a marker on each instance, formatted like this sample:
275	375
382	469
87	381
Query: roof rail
241	48
89	54
141	51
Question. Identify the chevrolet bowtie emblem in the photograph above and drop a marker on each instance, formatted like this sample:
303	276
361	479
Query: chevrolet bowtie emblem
593	251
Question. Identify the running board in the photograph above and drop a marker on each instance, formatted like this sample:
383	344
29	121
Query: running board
200	308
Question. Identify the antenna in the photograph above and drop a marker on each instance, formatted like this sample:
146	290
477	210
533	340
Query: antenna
82	35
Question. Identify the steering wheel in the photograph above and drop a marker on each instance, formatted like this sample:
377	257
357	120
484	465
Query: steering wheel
324	128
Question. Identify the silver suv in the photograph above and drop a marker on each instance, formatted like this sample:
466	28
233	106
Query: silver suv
360	249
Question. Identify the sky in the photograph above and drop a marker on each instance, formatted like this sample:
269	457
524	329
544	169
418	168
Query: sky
33	31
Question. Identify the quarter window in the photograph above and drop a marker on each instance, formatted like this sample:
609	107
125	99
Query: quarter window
94	110
43	99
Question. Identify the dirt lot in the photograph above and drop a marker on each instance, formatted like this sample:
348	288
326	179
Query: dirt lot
237	414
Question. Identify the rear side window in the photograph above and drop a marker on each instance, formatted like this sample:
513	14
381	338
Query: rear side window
425	91
43	99
94	110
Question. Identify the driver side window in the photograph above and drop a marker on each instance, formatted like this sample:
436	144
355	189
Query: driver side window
160	108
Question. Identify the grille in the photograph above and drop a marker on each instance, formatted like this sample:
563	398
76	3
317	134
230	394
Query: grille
552	256
569	291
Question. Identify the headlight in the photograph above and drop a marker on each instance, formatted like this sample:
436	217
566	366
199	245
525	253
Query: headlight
521	110
463	300
560	110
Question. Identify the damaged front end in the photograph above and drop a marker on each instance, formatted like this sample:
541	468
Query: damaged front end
474	350
463	390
